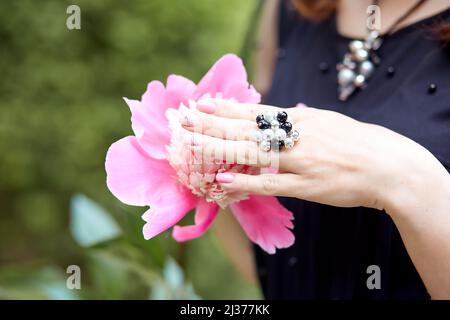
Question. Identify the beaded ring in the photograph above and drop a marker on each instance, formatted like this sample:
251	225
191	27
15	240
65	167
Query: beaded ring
275	131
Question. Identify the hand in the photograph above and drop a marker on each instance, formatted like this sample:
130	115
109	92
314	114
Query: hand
338	161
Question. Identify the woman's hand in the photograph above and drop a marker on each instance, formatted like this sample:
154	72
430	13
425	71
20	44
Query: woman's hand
341	162
338	161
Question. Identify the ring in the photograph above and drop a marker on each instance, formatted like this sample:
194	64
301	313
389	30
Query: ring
275	131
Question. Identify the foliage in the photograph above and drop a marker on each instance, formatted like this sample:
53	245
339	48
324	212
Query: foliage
60	110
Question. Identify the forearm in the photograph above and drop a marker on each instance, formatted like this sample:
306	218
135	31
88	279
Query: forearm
420	208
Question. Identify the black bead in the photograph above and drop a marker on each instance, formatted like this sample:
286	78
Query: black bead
287	126
292	261
282	116
259	118
324	67
390	72
263	124
280	144
432	88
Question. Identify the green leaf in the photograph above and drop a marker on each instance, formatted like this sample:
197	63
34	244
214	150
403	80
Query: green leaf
173	274
90	224
172	286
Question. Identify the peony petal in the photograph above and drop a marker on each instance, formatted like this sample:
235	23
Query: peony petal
149	122
204	216
179	90
171	208
148	118
227	79
134	177
152	135
265	221
154	101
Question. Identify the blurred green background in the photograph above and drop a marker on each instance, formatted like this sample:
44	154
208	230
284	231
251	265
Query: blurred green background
61	107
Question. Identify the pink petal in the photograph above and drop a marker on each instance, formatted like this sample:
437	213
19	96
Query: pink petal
179	90
227	79
154	101
153	135
148	118
134	177
265	221
171	208
204	216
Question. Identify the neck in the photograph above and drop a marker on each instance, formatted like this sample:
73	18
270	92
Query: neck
351	14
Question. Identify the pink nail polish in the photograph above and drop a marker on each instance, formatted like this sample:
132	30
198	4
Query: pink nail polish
225	177
300	105
206	106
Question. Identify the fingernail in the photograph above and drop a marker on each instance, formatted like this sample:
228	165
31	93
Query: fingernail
299	105
206	106
225	177
189	119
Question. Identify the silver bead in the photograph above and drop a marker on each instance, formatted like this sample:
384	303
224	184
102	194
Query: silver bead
268	134
280	134
274	124
269	116
361	55
346	76
359	81
366	68
258	136
289	143
373	35
295	135
265	145
356	45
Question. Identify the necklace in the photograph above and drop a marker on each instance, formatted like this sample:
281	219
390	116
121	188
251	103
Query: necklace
360	62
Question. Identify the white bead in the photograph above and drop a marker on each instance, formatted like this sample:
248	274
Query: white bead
280	134
295	135
346	76
258	136
289	143
361	55
265	145
366	68
373	35
356	45
274	124
268	134
359	80
269	116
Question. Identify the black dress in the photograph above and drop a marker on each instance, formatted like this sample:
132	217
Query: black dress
408	93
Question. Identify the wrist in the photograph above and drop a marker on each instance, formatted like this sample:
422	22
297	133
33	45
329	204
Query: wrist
415	185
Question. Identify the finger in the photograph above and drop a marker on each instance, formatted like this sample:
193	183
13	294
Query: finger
267	184
230	151
236	110
224	128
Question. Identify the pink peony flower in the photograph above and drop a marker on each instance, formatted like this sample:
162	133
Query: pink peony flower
154	168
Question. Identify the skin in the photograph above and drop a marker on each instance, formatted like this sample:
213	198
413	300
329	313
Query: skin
340	161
